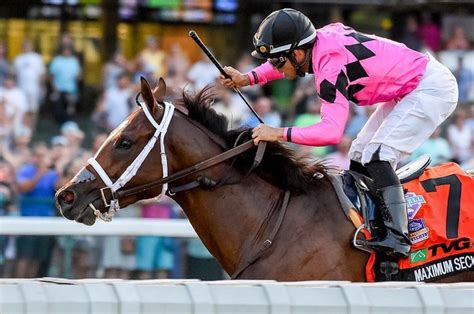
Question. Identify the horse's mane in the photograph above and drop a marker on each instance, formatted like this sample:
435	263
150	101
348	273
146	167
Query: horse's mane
280	165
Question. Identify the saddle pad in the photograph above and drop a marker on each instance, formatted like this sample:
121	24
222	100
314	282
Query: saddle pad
440	206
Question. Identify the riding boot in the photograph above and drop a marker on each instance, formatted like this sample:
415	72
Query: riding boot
396	243
359	168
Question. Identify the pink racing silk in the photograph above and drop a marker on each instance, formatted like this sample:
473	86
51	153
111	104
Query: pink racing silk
351	66
265	73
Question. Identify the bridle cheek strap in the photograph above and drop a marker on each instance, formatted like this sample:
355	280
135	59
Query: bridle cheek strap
132	169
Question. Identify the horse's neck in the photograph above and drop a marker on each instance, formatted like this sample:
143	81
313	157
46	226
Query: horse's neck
227	219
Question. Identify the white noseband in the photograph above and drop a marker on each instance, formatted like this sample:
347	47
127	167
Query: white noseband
129	173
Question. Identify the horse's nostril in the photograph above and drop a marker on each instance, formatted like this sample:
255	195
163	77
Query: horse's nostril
67	197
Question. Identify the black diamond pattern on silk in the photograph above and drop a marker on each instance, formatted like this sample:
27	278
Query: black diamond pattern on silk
360	37
327	90
352	89
355	71
360	51
341	83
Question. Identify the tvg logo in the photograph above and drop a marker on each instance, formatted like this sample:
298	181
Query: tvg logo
456	245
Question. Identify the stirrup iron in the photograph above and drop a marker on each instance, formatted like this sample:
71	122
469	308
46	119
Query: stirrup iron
354	240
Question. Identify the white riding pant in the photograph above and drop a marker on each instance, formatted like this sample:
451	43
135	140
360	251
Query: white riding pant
398	128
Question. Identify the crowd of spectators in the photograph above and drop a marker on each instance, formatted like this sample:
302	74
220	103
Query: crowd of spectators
30	172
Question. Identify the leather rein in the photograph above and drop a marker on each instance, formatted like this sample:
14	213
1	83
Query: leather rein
203	165
120	191
116	190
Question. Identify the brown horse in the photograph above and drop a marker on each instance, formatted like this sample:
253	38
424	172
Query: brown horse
240	217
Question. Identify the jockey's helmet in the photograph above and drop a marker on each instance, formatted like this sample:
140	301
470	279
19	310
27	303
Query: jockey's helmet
281	32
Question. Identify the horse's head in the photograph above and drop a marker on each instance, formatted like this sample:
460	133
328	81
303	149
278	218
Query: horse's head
123	159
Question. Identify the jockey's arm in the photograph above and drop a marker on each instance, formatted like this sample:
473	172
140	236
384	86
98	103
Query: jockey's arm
331	84
329	131
259	75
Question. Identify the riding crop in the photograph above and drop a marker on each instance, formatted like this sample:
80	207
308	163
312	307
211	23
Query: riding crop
208	53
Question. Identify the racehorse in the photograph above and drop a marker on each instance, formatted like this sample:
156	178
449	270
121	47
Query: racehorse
281	221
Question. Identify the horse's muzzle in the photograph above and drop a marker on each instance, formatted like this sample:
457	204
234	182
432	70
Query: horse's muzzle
65	200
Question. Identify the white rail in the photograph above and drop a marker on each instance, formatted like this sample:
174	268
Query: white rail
59	296
120	226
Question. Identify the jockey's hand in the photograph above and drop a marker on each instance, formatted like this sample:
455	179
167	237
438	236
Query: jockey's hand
263	132
237	79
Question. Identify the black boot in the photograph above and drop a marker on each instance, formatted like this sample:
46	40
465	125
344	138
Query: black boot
359	168
396	243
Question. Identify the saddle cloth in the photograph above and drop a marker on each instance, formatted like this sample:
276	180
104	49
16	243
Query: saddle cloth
440	210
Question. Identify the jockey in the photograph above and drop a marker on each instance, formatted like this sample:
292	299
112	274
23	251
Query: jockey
414	94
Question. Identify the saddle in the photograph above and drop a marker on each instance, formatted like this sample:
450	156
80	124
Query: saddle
439	216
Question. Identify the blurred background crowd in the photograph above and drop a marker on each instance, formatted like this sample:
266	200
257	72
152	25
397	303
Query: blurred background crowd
61	95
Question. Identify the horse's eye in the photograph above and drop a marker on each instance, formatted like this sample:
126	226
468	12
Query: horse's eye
124	143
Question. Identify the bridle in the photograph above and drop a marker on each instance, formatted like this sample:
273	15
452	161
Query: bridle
111	193
117	192
160	132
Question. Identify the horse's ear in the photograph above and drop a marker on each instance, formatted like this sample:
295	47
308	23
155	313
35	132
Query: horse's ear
147	94
160	91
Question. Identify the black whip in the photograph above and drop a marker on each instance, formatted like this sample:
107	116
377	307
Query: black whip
208	53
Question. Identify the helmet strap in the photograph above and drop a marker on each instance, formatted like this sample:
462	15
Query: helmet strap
298	66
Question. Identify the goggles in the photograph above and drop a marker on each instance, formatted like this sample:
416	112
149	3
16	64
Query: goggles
277	63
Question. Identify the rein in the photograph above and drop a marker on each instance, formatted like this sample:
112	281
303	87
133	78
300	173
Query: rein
116	189
113	191
208	163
